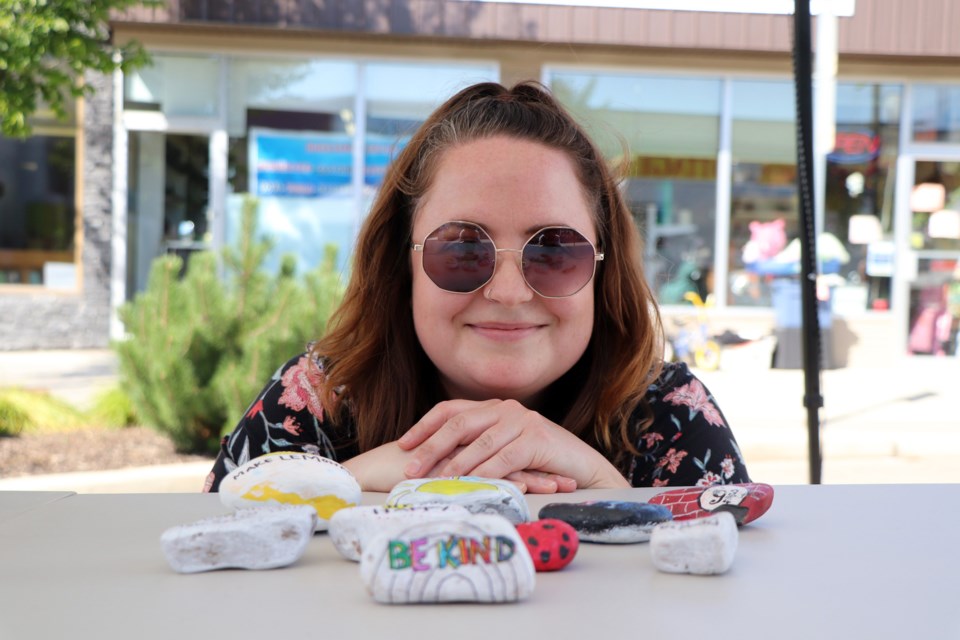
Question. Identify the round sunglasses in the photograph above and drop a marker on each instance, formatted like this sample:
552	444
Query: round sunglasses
460	257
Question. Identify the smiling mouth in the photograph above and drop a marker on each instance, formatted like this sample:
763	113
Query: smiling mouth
505	331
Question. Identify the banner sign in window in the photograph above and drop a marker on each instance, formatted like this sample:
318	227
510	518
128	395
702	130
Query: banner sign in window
313	164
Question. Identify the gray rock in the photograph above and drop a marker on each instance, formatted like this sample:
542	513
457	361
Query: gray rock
264	538
350	527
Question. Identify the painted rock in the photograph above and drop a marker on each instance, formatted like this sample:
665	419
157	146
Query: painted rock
746	501
478	495
702	546
292	478
479	558
350	527
552	543
611	521
263	538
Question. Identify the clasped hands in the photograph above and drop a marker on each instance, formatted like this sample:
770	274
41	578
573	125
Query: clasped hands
491	439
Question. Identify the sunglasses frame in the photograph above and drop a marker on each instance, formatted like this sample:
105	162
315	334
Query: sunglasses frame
597	257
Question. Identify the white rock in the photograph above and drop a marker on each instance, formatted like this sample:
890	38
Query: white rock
292	478
350	527
477	559
478	495
263	538
701	546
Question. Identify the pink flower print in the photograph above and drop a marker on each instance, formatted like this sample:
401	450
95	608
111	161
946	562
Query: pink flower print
255	409
726	467
208	483
709	478
291	426
672	460
651	439
694	395
300	383
660	483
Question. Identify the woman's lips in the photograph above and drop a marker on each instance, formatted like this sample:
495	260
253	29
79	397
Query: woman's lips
505	331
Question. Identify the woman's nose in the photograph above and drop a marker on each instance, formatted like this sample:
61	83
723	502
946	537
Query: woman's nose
507	285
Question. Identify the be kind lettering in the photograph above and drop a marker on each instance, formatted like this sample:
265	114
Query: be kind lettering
424	554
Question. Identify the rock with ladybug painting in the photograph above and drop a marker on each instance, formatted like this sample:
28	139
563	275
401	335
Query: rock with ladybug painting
552	543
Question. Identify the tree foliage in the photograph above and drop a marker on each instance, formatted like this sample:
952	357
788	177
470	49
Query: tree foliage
202	345
45	48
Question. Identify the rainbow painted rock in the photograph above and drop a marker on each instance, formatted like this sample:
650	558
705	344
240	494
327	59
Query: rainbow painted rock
292	478
350	527
479	558
747	501
610	521
478	495
552	543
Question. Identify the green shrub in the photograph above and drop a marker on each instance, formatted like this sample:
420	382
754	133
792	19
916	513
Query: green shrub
200	347
13	419
113	408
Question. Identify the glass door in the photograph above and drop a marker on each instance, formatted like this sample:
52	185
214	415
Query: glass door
934	241
168	200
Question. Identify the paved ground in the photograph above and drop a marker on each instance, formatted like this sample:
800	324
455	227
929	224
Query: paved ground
893	425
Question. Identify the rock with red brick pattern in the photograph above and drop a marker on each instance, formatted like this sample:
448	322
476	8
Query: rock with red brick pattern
746	502
552	543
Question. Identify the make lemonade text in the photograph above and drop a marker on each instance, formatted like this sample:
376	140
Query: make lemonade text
450	552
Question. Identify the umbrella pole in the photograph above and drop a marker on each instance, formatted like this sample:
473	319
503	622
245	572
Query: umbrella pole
812	398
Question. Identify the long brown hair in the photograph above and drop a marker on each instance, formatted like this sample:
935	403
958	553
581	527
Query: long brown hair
375	368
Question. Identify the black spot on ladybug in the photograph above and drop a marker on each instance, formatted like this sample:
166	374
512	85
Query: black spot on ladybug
566	537
544	556
564	552
533	542
549	526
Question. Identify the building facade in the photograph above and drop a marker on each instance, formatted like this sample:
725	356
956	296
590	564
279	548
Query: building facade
302	104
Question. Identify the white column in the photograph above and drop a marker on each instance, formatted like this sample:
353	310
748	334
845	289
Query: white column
824	109
217	181
118	196
721	244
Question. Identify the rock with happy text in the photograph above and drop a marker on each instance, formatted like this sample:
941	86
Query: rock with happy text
478	495
350	527
479	558
292	478
552	543
609	521
701	546
746	501
264	538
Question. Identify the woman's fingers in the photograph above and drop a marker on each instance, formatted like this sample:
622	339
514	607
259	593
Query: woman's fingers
540	482
460	430
433	420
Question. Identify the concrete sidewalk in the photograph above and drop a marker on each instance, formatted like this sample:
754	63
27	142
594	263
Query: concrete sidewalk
893	425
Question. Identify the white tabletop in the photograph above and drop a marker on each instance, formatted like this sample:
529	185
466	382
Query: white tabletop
835	561
14	503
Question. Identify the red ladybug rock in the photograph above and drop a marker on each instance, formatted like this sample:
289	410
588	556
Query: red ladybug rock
552	543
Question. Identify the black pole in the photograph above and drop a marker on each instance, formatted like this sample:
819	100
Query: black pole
802	73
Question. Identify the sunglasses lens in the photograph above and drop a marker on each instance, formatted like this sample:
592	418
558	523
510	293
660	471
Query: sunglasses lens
558	262
459	257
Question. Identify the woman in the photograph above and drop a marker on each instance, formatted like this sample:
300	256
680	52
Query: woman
496	323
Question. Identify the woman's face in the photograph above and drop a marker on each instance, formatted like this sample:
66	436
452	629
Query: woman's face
504	340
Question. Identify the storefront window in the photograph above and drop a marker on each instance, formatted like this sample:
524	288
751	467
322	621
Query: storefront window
764	241
669	126
38	215
859	203
936	113
176	85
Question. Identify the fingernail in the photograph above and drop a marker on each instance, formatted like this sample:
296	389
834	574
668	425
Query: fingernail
412	468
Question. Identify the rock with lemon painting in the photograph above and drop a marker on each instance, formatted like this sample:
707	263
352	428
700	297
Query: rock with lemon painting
292	478
478	495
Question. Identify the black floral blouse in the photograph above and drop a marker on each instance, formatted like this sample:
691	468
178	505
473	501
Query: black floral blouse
688	444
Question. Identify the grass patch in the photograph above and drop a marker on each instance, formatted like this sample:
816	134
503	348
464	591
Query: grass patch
24	411
113	408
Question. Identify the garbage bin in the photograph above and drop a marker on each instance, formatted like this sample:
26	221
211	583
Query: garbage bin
788	311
